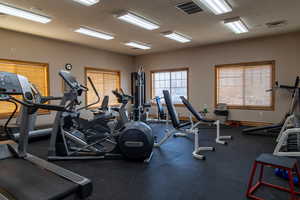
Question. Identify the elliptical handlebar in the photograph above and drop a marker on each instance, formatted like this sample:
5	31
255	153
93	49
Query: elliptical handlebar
95	91
123	93
79	88
94	88
121	96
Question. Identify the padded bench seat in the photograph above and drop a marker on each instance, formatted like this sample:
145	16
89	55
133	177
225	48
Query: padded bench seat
270	159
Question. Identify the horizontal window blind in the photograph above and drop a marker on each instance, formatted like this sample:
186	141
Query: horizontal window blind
105	81
245	86
37	74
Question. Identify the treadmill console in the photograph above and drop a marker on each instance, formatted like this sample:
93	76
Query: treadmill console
14	84
9	84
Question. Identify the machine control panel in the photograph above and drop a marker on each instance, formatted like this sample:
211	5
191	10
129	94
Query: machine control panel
9	84
69	79
14	84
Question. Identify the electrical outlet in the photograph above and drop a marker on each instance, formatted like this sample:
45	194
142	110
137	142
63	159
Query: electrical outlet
13	51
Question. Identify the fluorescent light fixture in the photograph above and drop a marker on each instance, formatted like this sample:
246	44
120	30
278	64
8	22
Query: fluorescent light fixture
137	20
138	45
236	25
177	37
17	12
96	34
87	2
218	7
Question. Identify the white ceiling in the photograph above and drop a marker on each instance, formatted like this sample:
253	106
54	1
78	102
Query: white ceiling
204	28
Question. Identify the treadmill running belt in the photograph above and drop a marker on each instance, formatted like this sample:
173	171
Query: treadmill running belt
6	195
26	181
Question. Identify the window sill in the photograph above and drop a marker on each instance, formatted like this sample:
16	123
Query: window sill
176	105
262	108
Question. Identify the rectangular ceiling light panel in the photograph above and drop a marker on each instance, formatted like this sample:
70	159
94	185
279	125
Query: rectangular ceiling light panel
87	2
177	37
9	10
137	20
92	33
236	25
218	7
138	45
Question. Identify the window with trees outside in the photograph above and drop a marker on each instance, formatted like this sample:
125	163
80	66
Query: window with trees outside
173	80
37	74
245	85
105	81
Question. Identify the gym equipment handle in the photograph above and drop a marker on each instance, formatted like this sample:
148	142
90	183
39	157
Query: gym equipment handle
49	107
96	92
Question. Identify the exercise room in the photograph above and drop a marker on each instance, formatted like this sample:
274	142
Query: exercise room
149	100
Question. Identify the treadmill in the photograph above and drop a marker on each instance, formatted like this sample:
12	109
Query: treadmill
24	176
278	126
13	131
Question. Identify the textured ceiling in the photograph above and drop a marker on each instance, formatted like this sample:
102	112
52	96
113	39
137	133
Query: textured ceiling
204	27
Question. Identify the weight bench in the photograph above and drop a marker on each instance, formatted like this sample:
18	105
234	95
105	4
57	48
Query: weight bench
269	160
201	119
179	131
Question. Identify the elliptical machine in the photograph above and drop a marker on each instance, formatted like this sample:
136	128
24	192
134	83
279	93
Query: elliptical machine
133	141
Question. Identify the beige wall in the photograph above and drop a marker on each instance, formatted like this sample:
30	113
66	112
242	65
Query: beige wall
284	49
25	47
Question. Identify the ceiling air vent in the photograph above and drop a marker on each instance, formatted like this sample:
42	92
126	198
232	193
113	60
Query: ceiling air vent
276	24
189	8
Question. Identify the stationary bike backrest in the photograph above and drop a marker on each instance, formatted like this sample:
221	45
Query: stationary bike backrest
104	105
171	109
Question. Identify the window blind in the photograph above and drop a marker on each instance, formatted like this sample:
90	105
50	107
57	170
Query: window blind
105	81
37	74
245	86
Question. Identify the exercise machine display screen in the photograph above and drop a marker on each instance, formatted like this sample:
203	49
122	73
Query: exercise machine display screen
69	79
10	84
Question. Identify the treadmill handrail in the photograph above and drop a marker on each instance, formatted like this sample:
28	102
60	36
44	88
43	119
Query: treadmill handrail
39	106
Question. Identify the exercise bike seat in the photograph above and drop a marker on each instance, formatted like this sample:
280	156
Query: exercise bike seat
104	116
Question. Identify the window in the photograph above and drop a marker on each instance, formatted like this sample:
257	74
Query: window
244	86
37	74
175	80
105	81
